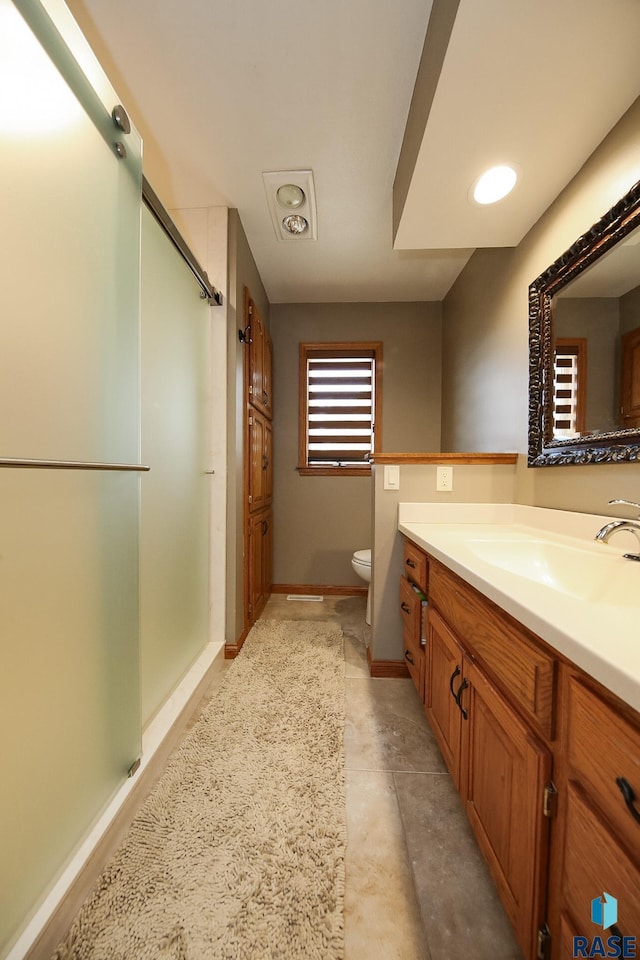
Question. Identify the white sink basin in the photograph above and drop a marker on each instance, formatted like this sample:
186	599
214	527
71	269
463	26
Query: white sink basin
593	573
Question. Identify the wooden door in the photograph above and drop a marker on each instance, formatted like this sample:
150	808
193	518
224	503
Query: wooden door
443	681
258	463
504	772
630	379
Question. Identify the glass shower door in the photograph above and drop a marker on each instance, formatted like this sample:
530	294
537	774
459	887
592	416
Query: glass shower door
69	399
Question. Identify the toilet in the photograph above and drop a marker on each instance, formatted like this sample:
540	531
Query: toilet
361	563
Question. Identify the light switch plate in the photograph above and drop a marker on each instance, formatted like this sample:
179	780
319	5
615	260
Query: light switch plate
391	477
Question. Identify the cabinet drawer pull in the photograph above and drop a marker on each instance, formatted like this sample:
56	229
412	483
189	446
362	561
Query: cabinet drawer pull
455	673
410	563
408	657
463	686
629	797
405	606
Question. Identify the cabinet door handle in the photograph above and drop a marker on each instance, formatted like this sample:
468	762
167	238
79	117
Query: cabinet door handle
265	462
411	564
629	797
408	657
463	686
265	526
455	673
405	607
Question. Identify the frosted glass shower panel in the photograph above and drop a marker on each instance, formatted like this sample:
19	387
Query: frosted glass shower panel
69	682
174	529
69	272
69	391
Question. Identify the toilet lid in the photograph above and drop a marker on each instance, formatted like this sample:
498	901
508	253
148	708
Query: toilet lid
363	556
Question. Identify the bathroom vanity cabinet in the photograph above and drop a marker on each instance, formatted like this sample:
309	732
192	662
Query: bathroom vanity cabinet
536	749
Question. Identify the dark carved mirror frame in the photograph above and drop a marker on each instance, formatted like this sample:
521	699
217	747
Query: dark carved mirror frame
544	451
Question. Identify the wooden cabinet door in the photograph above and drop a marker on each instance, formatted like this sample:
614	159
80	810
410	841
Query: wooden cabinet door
504	772
443	679
595	862
260	553
260	363
260	462
256	357
267	374
267	460
413	652
630	379
257	492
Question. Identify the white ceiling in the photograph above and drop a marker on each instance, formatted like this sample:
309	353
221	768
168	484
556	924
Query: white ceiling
223	90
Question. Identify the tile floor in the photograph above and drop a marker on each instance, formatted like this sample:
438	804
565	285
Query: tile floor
416	885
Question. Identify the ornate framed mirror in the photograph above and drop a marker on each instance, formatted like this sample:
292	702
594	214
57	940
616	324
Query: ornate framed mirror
584	346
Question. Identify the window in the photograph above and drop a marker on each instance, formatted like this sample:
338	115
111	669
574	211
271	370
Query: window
339	407
569	387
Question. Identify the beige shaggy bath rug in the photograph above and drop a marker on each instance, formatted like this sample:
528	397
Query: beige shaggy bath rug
238	854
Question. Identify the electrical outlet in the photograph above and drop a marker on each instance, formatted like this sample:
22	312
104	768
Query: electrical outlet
444	479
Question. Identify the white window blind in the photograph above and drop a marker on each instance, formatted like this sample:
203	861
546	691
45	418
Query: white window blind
565	392
340	391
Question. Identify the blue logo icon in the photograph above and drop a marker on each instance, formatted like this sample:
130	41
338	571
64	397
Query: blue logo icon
604	911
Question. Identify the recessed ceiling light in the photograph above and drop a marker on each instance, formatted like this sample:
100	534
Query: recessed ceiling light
294	223
494	184
290	195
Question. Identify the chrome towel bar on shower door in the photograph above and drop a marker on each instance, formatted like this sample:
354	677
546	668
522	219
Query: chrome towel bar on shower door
71	465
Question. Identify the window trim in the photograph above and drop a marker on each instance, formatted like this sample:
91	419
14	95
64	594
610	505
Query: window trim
306	349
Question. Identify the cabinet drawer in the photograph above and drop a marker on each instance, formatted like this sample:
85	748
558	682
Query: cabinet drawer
410	607
416	565
524	672
602	747
413	653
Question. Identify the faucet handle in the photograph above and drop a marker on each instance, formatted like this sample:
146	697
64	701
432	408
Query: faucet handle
628	503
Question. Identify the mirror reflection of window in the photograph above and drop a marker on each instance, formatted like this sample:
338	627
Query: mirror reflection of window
569	387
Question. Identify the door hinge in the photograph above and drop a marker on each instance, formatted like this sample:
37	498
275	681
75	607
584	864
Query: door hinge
544	942
550	803
250	309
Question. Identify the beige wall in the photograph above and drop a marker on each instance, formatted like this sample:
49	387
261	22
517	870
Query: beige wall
630	310
471	484
485	333
242	272
320	521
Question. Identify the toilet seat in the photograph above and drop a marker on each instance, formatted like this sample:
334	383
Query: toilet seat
363	558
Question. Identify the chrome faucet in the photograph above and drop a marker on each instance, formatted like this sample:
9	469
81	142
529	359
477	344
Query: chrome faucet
633	526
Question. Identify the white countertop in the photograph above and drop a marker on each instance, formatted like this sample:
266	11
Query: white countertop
600	635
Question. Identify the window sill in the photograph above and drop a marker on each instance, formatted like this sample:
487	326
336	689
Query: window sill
334	471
